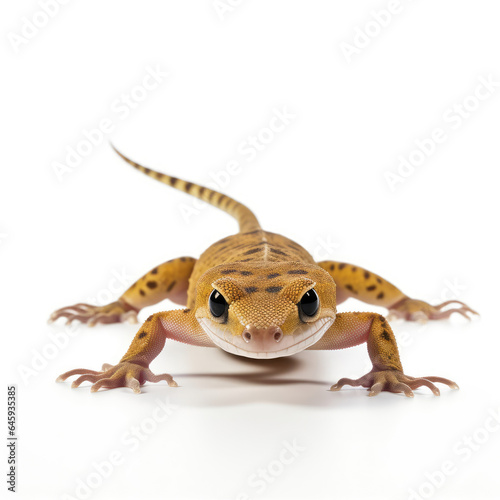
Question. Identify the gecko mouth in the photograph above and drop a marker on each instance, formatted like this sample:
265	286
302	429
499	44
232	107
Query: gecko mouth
302	338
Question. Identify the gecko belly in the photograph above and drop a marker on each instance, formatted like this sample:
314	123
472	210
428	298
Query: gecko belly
302	338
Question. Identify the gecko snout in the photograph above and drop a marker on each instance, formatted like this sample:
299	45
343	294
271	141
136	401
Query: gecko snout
262	337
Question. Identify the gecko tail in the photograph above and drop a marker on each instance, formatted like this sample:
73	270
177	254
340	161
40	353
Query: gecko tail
244	216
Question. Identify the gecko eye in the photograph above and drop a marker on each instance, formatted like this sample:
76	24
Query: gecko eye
218	304
309	303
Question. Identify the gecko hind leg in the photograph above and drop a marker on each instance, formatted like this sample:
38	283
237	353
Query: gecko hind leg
170	280
354	281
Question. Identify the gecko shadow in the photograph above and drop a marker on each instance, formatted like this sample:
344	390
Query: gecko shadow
271	369
271	377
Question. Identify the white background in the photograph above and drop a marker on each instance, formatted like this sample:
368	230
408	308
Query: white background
64	238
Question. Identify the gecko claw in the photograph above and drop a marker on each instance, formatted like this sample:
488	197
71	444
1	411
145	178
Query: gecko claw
124	374
134	384
394	381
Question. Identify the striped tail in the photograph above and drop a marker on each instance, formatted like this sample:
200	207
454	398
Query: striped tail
245	217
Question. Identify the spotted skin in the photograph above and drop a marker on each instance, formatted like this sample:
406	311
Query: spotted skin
260	280
354	281
169	280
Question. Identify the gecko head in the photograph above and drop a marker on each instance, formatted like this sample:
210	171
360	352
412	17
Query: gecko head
265	310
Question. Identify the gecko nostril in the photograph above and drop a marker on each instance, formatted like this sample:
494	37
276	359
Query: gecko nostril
262	336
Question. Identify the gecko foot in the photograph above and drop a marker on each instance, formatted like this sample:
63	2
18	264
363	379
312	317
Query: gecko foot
393	381
124	374
115	312
418	310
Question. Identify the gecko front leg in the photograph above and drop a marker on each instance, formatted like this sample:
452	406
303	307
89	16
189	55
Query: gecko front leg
133	369
351	329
